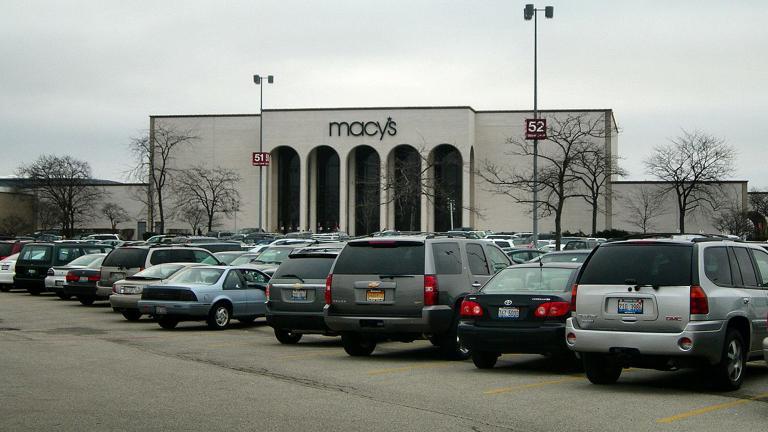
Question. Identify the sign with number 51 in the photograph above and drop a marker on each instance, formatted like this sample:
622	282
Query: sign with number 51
260	159
535	129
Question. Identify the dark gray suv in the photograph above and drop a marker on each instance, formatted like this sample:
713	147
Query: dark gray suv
406	288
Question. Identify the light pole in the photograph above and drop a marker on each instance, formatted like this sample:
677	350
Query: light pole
257	79
530	13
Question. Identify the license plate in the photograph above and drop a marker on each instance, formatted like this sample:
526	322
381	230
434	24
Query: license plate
374	295
83	278
6	267
509	312
298	294
630	306
58	283
160	310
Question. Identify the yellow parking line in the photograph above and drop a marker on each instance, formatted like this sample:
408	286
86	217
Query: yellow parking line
711	408
376	372
500	390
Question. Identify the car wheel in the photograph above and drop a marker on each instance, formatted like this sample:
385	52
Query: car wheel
601	368
451	346
168	323
729	373
34	291
87	301
287	337
358	345
132	314
63	296
484	359
5	288
218	318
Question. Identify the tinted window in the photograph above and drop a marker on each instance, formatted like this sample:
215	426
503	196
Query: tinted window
529	279
716	265
498	259
66	254
745	266
305	268
761	259
254	276
447	258
162	256
382	257
232	281
204	257
127	258
35	253
476	259
645	264
569	257
5	249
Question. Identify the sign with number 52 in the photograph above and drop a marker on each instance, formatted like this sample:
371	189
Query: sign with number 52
535	129
260	159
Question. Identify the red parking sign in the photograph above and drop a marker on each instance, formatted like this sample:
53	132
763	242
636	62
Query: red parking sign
260	159
535	129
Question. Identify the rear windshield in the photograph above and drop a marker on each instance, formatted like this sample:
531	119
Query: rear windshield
36	253
161	271
85	260
305	268
273	255
516	279
577	258
5	249
381	257
202	276
126	257
643	264
96	263
227	258
244	259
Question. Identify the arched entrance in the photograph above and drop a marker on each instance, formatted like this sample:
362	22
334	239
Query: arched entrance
367	190
406	196
288	178
326	193
447	164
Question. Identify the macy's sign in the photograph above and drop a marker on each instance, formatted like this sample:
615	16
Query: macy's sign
358	128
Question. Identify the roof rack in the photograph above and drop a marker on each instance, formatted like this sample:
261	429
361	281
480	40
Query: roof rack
692	237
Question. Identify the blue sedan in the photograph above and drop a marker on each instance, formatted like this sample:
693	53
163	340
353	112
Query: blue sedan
215	294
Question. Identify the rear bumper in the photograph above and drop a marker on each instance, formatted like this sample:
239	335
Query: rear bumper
6	278
124	301
88	291
192	310
433	320
538	340
27	283
707	337
303	322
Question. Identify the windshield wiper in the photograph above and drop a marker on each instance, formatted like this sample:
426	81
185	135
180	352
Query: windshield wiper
392	276
638	286
292	276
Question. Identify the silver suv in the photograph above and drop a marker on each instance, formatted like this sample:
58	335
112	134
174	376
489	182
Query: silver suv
405	288
665	304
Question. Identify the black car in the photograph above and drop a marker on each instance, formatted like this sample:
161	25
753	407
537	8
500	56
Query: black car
36	258
81	283
522	309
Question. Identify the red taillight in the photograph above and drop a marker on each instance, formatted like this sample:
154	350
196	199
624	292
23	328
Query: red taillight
94	278
574	289
328	283
430	290
71	277
470	308
266	292
552	309
699	302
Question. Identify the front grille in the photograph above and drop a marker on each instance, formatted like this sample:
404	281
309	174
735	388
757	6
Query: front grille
168	294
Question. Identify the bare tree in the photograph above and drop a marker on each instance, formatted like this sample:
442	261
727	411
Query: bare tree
64	182
47	215
733	220
558	180
115	213
595	168
14	225
154	154
691	163
644	207
213	190
192	214
758	201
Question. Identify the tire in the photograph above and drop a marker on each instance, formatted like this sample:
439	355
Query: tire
5	288
357	345
63	296
484	359
287	337
219	316
34	291
729	373
86	301
450	345
168	323
132	314
601	369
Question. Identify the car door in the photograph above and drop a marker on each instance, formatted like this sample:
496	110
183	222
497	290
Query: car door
255	293
235	289
477	263
760	259
754	296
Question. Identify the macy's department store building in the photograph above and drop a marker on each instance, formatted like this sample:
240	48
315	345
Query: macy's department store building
362	170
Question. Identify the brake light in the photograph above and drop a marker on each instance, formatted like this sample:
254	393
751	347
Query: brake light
71	277
266	292
699	302
430	290
470	308
328	283
552	309
574	289
94	278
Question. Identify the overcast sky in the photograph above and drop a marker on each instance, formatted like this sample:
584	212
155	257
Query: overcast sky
82	77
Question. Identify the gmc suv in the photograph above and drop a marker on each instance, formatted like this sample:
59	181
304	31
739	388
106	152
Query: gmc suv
406	288
666	304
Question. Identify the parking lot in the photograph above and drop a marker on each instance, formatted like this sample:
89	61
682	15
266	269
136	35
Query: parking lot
64	366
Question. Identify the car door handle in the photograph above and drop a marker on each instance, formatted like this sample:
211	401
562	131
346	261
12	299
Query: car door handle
476	285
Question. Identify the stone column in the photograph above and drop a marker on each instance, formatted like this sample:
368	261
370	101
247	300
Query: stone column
303	192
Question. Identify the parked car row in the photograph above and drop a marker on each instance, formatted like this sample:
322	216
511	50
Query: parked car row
660	303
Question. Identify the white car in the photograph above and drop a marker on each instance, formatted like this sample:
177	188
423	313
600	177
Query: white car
765	349
56	276
7	270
